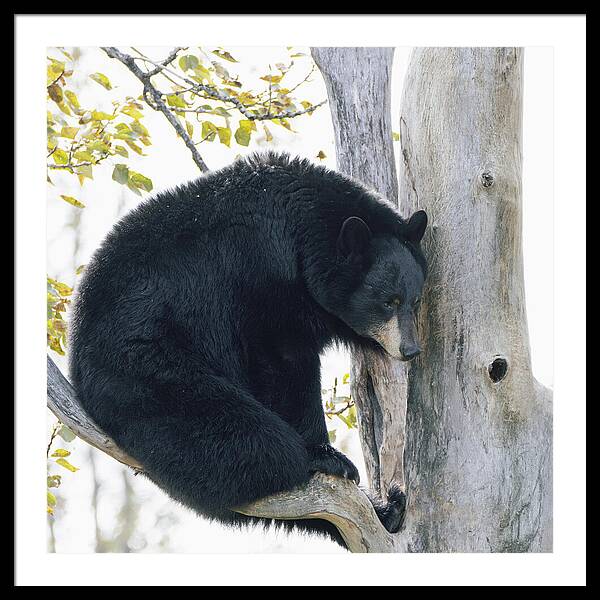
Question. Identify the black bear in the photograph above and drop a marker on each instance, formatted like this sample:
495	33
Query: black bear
198	325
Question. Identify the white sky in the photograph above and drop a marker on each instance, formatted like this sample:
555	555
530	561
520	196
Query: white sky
168	163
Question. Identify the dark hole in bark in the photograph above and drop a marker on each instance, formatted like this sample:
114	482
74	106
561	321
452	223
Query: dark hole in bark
498	369
487	179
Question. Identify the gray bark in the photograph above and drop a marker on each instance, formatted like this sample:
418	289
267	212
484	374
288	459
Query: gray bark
477	461
478	452
358	82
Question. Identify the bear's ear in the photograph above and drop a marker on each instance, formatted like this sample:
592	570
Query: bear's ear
415	226
354	237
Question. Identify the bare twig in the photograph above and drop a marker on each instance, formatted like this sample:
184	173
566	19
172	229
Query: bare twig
172	56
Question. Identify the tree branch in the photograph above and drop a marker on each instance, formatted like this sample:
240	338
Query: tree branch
333	499
216	94
157	102
62	401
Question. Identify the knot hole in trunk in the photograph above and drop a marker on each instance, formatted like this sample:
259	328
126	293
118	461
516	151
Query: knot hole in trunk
497	369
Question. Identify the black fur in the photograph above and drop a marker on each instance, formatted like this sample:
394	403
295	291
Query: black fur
198	325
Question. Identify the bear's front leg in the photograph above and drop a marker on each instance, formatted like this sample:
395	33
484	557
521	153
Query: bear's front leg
303	409
326	459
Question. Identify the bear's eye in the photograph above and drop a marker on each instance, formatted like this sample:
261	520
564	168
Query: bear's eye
391	303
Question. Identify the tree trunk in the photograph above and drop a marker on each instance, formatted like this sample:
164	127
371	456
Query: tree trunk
358	82
478	458
479	427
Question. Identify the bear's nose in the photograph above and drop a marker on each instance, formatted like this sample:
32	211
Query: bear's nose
410	352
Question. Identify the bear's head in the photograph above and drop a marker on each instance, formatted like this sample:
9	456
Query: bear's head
382	299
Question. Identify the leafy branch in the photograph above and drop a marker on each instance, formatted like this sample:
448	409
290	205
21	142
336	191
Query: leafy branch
157	102
79	138
199	85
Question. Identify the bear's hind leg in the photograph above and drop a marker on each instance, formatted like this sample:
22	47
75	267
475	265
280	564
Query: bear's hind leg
217	449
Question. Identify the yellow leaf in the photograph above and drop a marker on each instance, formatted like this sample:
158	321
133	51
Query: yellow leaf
69	132
98	115
268	134
72	201
224	55
62	288
132	111
60	453
224	135
102	80
66	464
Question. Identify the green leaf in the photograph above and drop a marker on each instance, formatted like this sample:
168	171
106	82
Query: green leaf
122	151
332	436
120	174
219	110
61	453
135	147
201	73
321	155
51	498
85	171
176	100
98	146
244	131
73	201
139	128
188	62
83	155
102	80
64	432
209	130
395	136
53	481
140	181
66	464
